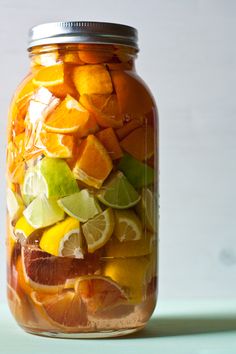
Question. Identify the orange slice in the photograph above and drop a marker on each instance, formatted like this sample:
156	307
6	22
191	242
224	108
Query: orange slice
133	96
104	108
92	79
94	163
56	79
95	54
72	58
99	293
109	140
128	128
47	273
64	309
69	117
57	145
140	143
15	163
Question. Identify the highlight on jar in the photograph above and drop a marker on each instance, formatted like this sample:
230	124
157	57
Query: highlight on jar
82	227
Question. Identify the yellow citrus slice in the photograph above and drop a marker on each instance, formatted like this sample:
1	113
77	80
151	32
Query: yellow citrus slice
97	231
129	273
128	227
69	117
64	239
23	229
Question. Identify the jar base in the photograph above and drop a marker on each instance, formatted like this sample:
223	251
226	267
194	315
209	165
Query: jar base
88	335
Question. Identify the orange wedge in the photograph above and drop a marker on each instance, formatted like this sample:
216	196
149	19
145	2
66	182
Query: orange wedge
56	79
109	140
104	108
69	117
133	96
128	128
95	54
94	163
92	79
64	309
100	293
140	143
15	160
57	145
72	58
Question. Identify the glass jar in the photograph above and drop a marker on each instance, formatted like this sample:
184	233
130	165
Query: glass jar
82	185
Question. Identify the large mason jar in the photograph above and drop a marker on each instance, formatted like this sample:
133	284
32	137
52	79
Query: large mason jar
82	185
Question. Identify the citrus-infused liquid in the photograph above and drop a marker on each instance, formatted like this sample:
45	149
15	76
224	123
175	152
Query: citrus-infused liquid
82	194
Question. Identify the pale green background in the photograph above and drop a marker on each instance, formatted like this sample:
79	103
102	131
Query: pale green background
188	58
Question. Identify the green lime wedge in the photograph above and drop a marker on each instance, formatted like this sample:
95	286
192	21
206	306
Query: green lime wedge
42	212
139	174
147	209
15	204
82	205
50	177
118	193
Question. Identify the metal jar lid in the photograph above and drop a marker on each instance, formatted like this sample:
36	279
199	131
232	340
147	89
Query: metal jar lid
83	32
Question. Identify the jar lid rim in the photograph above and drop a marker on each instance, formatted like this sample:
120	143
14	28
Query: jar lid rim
83	32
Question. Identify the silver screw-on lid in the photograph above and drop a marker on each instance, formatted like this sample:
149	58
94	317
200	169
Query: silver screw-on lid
83	32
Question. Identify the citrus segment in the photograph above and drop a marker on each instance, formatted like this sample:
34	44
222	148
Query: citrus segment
47	273
22	228
50	177
118	193
104	108
42	212
94	164
94	54
82	205
128	227
99	293
57	145
139	143
141	247
90	79
64	239
98	230
147	209
129	273
138	173
69	117
109	140
15	204
65	309
128	127
133	96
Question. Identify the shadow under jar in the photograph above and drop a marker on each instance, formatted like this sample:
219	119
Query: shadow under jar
82	185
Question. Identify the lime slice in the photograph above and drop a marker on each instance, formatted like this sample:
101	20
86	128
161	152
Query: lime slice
50	177
147	209
138	173
15	204
118	193
64	239
98	230
82	205
42	212
128	227
23	229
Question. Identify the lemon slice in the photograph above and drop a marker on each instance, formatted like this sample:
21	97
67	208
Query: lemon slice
50	177
118	192
23	229
130	274
128	227
82	205
15	204
63	239
98	230
42	212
